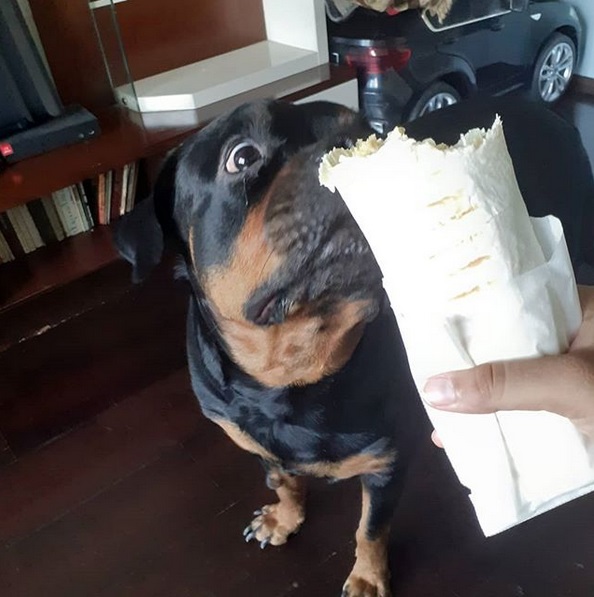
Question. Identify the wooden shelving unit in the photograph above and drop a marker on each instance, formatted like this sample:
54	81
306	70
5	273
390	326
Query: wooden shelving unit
55	265
124	138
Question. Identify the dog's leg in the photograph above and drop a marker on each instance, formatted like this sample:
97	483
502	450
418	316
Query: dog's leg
274	523
370	576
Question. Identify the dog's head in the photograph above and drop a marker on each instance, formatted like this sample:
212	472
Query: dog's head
282	266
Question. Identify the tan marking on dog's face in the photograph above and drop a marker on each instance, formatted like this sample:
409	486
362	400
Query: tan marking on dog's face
302	350
253	261
243	440
370	574
353	466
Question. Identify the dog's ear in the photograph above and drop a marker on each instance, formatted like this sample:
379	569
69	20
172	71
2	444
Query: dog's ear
139	236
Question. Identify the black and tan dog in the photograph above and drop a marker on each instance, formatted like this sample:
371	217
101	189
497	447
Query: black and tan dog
293	349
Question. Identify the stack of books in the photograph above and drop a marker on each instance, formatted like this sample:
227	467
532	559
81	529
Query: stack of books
67	212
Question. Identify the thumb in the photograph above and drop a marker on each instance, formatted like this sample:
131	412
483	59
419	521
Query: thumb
561	384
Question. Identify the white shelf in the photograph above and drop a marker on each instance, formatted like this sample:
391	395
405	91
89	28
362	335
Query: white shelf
296	41
346	93
197	85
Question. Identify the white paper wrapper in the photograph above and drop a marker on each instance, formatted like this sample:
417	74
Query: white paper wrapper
473	279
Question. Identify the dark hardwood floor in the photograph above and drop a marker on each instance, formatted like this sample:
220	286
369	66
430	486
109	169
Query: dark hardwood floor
112	484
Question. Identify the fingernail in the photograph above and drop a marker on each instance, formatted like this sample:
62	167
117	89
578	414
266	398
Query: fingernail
439	391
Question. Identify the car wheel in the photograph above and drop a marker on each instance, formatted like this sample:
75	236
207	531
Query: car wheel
436	96
554	69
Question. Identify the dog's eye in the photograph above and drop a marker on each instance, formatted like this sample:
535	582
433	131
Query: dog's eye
242	156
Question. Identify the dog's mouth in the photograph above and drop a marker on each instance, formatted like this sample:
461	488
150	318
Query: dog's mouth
313	282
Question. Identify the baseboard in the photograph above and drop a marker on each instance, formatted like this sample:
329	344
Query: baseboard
583	84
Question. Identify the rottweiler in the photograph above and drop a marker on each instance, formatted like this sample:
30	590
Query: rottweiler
292	346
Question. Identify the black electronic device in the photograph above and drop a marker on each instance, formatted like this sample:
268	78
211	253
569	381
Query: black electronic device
27	93
32	117
74	125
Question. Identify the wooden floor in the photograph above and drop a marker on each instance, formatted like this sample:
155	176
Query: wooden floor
113	485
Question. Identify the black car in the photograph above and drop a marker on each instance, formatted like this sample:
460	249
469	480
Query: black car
411	63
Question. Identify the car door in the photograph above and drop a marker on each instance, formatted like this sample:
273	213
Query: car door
490	36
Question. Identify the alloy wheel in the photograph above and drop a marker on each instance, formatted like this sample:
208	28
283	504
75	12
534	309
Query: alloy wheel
438	101
556	72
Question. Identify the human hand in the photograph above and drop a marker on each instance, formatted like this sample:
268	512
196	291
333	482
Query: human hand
562	384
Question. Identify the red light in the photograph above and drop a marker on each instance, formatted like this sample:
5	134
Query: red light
6	149
378	60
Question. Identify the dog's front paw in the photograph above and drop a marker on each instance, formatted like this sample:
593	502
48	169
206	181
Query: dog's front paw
366	585
273	524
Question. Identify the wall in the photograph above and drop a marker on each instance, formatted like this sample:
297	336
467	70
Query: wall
155	39
585	9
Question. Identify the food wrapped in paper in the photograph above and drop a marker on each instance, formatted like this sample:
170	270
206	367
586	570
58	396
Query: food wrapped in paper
473	279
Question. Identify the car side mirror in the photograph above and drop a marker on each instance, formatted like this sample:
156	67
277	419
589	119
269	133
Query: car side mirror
518	5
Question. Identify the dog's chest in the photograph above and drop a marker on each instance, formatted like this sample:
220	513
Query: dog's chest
330	455
355	413
307	431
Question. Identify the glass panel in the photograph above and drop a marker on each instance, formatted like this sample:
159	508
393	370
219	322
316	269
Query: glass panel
109	36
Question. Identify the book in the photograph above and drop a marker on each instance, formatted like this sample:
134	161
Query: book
5	252
41	220
101	182
52	214
68	212
117	194
90	188
73	190
30	226
108	195
125	179
132	183
86	205
20	229
10	235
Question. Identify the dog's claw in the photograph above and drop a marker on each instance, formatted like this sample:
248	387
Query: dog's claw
250	536
258	512
264	543
247	530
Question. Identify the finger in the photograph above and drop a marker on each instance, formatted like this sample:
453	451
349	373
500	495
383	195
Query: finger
585	336
436	439
562	384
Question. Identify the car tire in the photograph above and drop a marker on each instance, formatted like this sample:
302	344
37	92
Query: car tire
553	69
436	96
